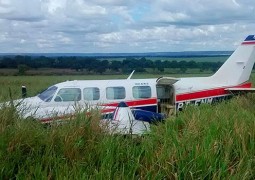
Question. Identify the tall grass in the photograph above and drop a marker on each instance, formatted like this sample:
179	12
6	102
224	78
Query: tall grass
206	142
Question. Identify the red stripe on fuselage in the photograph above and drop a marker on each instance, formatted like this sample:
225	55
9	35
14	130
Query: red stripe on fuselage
135	102
208	93
248	42
107	110
70	116
57	118
141	102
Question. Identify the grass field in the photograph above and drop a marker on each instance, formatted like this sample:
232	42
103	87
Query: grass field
205	142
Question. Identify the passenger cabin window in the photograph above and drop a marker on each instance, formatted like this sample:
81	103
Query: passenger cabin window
140	92
115	93
68	94
91	94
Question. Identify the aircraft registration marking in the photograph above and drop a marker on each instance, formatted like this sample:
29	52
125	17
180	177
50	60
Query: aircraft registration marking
197	102
142	84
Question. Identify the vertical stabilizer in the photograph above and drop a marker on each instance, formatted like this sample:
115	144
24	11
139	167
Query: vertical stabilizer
237	69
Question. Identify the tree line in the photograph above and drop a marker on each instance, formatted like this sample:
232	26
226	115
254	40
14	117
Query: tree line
94	65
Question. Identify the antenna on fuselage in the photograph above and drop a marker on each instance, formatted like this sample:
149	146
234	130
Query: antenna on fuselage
129	77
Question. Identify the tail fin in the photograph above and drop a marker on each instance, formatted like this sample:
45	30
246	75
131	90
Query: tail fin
237	69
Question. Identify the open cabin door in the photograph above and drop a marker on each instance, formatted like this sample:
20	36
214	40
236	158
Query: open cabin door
166	95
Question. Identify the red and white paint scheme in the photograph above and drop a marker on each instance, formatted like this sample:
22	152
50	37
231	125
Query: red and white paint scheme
164	95
124	122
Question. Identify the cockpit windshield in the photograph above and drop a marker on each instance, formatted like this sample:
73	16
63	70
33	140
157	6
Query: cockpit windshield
48	94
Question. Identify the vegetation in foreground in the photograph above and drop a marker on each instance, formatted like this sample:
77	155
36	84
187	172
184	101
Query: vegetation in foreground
202	142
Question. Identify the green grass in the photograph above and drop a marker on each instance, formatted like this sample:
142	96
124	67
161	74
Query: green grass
205	142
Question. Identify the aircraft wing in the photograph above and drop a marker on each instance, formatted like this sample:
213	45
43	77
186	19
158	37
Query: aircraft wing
241	90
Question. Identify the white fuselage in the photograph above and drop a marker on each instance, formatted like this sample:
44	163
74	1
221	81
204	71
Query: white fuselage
70	96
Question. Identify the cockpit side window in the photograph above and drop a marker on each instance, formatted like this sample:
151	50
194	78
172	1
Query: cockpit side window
48	94
68	94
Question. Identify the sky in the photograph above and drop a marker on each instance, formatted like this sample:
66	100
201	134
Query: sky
124	26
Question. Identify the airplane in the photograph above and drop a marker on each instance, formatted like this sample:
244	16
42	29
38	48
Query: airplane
165	95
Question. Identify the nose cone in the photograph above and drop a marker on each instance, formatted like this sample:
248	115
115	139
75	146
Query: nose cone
25	107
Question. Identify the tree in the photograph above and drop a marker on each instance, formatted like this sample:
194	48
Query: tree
183	69
161	69
115	65
22	68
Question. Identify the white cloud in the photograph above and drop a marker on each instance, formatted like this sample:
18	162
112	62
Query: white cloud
201	12
123	26
26	10
55	5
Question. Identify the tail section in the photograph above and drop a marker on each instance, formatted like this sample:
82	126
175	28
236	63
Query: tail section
237	69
